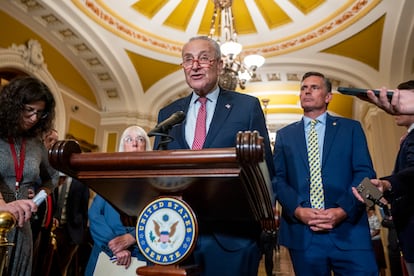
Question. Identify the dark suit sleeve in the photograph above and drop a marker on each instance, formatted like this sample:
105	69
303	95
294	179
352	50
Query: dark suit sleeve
361	166
287	196
401	183
176	131
404	172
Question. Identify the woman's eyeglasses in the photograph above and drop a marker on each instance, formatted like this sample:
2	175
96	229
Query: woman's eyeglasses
30	111
138	139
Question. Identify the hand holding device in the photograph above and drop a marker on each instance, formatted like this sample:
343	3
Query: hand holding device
360	92
369	193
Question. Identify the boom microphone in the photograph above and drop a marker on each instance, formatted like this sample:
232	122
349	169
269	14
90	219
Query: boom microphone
163	127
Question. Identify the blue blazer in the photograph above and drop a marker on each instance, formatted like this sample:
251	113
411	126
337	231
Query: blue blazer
345	162
234	112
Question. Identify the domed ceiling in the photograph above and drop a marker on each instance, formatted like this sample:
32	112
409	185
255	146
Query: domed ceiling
264	26
129	51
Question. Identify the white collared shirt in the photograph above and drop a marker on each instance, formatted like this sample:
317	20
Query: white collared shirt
191	118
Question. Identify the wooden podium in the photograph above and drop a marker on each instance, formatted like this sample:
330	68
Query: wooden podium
223	186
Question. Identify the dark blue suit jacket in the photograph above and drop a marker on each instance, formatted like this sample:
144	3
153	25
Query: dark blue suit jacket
345	162
402	196
234	112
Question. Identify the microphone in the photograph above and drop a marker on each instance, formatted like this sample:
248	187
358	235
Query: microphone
163	127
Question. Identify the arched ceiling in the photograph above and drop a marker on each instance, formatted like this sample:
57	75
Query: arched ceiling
128	52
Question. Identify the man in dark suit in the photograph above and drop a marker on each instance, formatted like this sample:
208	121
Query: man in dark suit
399	189
227	112
70	219
333	236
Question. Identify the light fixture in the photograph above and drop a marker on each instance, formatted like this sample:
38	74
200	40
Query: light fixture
223	30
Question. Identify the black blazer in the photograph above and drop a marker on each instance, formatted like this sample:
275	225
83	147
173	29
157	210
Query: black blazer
402	196
76	210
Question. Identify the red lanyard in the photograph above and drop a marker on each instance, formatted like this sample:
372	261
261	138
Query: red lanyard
18	165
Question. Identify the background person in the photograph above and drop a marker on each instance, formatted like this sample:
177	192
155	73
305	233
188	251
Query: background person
399	189
26	111
375	230
218	251
43	218
329	232
42	221
70	223
108	232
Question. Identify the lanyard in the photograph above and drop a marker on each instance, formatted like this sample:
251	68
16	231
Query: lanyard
18	165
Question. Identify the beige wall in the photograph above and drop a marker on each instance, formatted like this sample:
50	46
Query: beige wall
383	136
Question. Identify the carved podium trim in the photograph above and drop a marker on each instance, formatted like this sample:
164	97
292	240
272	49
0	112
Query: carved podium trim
183	172
229	189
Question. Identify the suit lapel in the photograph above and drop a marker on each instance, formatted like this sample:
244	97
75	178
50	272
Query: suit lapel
301	142
183	105
223	108
332	126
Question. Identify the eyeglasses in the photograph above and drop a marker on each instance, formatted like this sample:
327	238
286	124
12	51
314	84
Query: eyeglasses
138	139
203	61
30	111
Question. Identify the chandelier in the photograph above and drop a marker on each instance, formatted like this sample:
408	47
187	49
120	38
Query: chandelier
222	29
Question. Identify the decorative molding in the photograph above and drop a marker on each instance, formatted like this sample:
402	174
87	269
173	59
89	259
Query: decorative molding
27	59
70	43
102	14
32	55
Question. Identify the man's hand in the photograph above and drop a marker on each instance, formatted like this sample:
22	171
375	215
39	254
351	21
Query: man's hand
357	195
319	219
327	219
402	101
382	185
383	102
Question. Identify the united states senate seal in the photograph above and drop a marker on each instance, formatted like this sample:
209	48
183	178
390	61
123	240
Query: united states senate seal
166	230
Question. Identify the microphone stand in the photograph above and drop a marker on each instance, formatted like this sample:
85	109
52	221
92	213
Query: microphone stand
163	129
165	138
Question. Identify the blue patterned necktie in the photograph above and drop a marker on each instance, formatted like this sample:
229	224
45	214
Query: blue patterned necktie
316	187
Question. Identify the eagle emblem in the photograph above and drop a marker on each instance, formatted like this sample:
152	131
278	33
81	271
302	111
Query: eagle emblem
166	231
164	236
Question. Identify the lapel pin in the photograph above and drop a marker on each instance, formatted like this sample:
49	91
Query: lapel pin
334	123
227	106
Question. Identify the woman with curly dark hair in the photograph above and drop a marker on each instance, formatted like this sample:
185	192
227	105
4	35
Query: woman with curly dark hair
27	109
